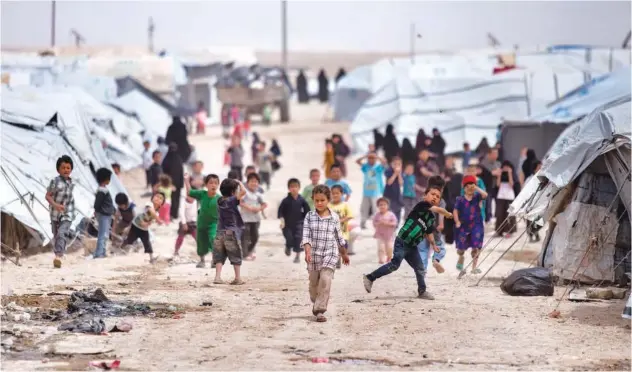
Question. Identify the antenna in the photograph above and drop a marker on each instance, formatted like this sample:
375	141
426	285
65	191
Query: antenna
492	40
79	39
626	41
150	34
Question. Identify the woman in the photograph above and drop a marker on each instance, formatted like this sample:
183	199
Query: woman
378	140
341	152
437	146
528	166
391	146
482	149
301	87
505	225
173	166
323	87
420	142
408	153
177	133
451	191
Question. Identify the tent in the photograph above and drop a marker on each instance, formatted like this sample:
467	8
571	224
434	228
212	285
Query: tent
154	117
541	130
583	191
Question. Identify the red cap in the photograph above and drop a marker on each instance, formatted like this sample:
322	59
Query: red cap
468	180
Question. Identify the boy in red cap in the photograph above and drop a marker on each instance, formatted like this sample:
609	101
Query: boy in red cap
468	221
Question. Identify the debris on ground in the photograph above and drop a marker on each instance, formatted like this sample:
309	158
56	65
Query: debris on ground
105	365
606	293
84	324
535	281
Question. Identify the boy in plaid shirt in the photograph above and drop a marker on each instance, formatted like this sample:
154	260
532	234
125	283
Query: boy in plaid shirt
62	206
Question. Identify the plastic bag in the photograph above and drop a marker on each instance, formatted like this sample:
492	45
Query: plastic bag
535	281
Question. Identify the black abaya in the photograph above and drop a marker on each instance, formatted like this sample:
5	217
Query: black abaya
391	146
408	153
378	140
177	133
174	167
341	74
301	88
420	142
323	87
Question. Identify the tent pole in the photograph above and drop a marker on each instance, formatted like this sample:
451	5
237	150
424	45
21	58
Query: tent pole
499	258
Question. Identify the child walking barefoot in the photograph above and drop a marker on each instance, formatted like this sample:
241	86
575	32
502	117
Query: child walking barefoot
468	221
385	223
323	244
227	243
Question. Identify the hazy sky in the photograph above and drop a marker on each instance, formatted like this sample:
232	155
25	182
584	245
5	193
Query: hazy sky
318	25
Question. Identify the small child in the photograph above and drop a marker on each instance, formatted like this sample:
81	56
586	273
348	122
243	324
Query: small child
264	163
142	222
320	237
147	161
344	214
207	215
418	225
197	176
393	186
229	230
188	221
236	152
103	210
155	169
475	170
336	179
468	221
249	170
116	167
59	196
292	211
408	193
439	248
166	187
373	185
385	223
123	217
251	206
329	158
314	177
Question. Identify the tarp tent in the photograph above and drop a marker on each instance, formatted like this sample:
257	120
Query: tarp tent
587	199
154	117
540	131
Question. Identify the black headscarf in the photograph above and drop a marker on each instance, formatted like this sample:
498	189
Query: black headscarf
391	146
254	147
177	133
378	139
323	86
438	143
528	166
408	153
482	149
341	74
420	142
173	166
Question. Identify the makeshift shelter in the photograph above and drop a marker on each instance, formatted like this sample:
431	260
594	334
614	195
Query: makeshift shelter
154	117
540	131
583	192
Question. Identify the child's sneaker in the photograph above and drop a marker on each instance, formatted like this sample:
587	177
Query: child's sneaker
57	262
426	296
297	259
476	271
459	267
437	266
201	265
368	284
288	251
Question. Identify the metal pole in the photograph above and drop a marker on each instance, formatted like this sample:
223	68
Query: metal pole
284	34
412	43
52	24
556	86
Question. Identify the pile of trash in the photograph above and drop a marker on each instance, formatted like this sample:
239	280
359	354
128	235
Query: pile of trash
255	77
535	281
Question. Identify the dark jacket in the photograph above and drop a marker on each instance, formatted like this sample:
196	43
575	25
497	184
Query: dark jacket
127	215
155	170
293	211
103	203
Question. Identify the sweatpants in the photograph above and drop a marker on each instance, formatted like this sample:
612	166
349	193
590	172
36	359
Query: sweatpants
396	207
265	179
136	233
249	238
368	205
320	289
293	236
205	237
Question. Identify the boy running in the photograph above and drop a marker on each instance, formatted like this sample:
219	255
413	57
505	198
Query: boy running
314	177
229	230
292	212
207	215
59	196
251	207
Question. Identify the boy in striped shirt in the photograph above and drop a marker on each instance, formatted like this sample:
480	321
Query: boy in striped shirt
419	225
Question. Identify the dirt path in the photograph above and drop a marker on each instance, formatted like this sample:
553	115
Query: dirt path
267	323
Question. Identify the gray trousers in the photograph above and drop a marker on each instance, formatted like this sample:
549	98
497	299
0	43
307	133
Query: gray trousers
367	209
61	232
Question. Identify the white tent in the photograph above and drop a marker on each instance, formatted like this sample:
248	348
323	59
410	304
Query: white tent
154	118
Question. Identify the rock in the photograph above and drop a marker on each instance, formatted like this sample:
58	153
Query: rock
25	317
619	293
14	307
16	317
122	326
8	342
172	308
599	293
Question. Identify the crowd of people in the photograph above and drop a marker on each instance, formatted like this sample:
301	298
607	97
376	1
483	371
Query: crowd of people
415	198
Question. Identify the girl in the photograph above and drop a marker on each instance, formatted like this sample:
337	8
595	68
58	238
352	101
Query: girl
188	220
329	158
475	170
323	244
505	225
141	223
343	211
385	223
468	220
165	187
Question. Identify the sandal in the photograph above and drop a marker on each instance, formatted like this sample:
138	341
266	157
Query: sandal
218	281
476	271
459	267
320	318
237	282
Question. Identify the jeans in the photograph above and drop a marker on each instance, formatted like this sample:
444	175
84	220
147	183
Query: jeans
402	252
424	249
61	232
105	223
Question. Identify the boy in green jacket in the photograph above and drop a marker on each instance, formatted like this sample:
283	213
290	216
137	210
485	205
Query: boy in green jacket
207	215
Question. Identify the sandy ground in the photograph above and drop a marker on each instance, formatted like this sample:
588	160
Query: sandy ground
266	324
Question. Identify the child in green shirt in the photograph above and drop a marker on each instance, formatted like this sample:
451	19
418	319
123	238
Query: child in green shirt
207	215
314	176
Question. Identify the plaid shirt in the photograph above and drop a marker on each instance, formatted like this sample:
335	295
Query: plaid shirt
61	190
324	236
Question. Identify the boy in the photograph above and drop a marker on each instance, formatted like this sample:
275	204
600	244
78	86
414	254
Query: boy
197	178
409	194
417	226
207	215
251	206
229	229
116	167
345	215
467	155
249	170
62	206
103	210
373	185
147	160
155	169
393	188
314	177
336	179
124	216
439	248
236	152
264	162
292	212
142	222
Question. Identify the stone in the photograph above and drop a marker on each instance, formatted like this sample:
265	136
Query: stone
619	293
14	307
16	317
172	308
599	293
7	342
25	317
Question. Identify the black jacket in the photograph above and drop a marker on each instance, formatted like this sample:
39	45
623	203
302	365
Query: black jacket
103	203
293	211
155	170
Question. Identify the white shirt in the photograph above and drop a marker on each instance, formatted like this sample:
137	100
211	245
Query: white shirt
188	211
147	159
253	199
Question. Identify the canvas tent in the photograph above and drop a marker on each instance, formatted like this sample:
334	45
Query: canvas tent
540	131
583	191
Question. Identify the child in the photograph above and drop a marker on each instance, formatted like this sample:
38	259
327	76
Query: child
59	196
467	155
163	148
336	179
321	236
188	219
147	160
116	167
124	216
439	248
166	187
142	222
155	169
264	163
393	187
417	226
505	195
236	152
409	194
229	229
251	206
197	177
344	214
468	221
292	212
329	158
207	215
385	223
314	177
475	170
250	170
373	186
232	174
103	210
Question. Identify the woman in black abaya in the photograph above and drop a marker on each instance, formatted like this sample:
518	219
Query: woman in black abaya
437	147
323	87
177	133
301	87
408	153
378	140
341	74
391	146
174	167
420	142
